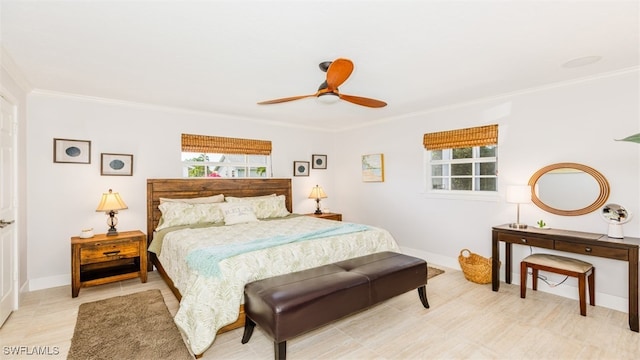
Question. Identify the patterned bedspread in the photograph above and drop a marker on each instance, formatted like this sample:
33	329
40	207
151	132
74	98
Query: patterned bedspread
211	302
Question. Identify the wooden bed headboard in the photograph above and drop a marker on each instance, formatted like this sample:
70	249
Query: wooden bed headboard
190	188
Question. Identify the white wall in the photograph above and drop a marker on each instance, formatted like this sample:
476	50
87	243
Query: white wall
571	122
62	198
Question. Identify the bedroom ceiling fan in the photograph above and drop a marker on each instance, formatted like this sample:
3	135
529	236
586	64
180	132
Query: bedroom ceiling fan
338	71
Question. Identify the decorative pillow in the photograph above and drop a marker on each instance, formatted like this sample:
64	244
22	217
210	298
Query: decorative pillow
238	213
264	207
181	213
199	200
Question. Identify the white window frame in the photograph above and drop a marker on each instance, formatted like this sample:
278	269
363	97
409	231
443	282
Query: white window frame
236	164
483	195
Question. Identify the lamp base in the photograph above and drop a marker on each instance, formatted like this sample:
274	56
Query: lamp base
518	226
112	232
318	212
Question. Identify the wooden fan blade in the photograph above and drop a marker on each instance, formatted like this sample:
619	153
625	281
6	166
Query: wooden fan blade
277	101
338	72
363	101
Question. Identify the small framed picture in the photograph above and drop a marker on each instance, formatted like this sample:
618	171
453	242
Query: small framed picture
300	168
116	164
71	151
318	161
373	168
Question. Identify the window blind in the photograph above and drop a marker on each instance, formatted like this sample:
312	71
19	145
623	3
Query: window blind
453	139
224	145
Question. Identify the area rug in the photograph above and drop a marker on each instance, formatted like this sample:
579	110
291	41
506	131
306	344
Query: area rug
432	272
136	326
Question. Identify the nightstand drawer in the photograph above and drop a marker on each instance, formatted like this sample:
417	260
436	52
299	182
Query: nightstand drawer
594	250
526	240
109	252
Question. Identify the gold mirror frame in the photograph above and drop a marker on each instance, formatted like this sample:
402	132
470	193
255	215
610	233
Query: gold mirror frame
602	182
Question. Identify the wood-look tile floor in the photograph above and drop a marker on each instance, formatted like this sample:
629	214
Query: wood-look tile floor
465	321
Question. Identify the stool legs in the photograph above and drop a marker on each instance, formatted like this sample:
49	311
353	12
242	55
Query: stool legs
582	294
585	280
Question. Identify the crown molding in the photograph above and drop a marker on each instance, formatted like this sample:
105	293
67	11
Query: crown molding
10	66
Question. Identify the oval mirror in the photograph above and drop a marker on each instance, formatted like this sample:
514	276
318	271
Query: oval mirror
568	189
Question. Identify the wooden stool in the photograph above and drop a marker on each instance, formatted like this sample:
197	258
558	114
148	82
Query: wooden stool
560	265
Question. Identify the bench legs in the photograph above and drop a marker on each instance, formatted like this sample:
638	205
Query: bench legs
422	292
248	329
280	350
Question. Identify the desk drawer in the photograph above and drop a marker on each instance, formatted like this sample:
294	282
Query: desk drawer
526	240
593	250
109	252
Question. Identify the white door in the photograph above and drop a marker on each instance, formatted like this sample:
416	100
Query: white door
8	275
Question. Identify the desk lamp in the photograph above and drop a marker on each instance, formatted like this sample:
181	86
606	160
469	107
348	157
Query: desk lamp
518	194
317	193
110	203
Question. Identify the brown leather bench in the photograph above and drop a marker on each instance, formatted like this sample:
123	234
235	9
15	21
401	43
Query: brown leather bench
289	305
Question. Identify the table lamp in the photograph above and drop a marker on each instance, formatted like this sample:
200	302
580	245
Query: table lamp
518	194
317	193
110	203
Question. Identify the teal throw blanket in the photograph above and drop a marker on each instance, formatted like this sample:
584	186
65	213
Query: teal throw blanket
206	260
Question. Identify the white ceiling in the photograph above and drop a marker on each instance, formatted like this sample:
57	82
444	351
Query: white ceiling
224	56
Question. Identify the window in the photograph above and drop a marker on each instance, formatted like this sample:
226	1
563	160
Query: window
463	160
214	156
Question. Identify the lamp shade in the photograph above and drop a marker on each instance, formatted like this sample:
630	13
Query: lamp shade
317	193
111	202
519	194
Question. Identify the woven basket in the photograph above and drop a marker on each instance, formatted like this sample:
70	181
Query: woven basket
476	268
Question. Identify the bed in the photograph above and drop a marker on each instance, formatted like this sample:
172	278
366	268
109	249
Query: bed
211	296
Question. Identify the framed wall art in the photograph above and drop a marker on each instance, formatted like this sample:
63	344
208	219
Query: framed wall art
318	161
300	168
71	151
373	168
116	164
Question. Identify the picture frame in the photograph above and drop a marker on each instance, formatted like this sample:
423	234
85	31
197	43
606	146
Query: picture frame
300	168
373	168
116	164
318	161
71	151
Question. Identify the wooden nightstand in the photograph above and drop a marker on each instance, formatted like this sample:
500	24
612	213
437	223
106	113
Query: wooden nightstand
329	216
104	259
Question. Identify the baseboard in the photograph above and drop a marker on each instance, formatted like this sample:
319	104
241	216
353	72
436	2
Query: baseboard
605	300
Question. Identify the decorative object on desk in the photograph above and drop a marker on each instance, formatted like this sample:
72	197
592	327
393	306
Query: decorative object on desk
476	268
71	151
373	168
116	164
318	161
615	215
110	203
541	224
86	233
300	168
317	193
518	194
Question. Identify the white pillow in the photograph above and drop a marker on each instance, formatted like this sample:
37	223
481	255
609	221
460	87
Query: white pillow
264	207
199	200
238	213
181	213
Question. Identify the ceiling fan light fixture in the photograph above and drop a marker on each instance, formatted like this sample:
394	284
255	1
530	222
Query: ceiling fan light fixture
328	98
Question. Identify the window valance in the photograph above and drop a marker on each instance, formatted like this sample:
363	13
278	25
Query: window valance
224	145
453	139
